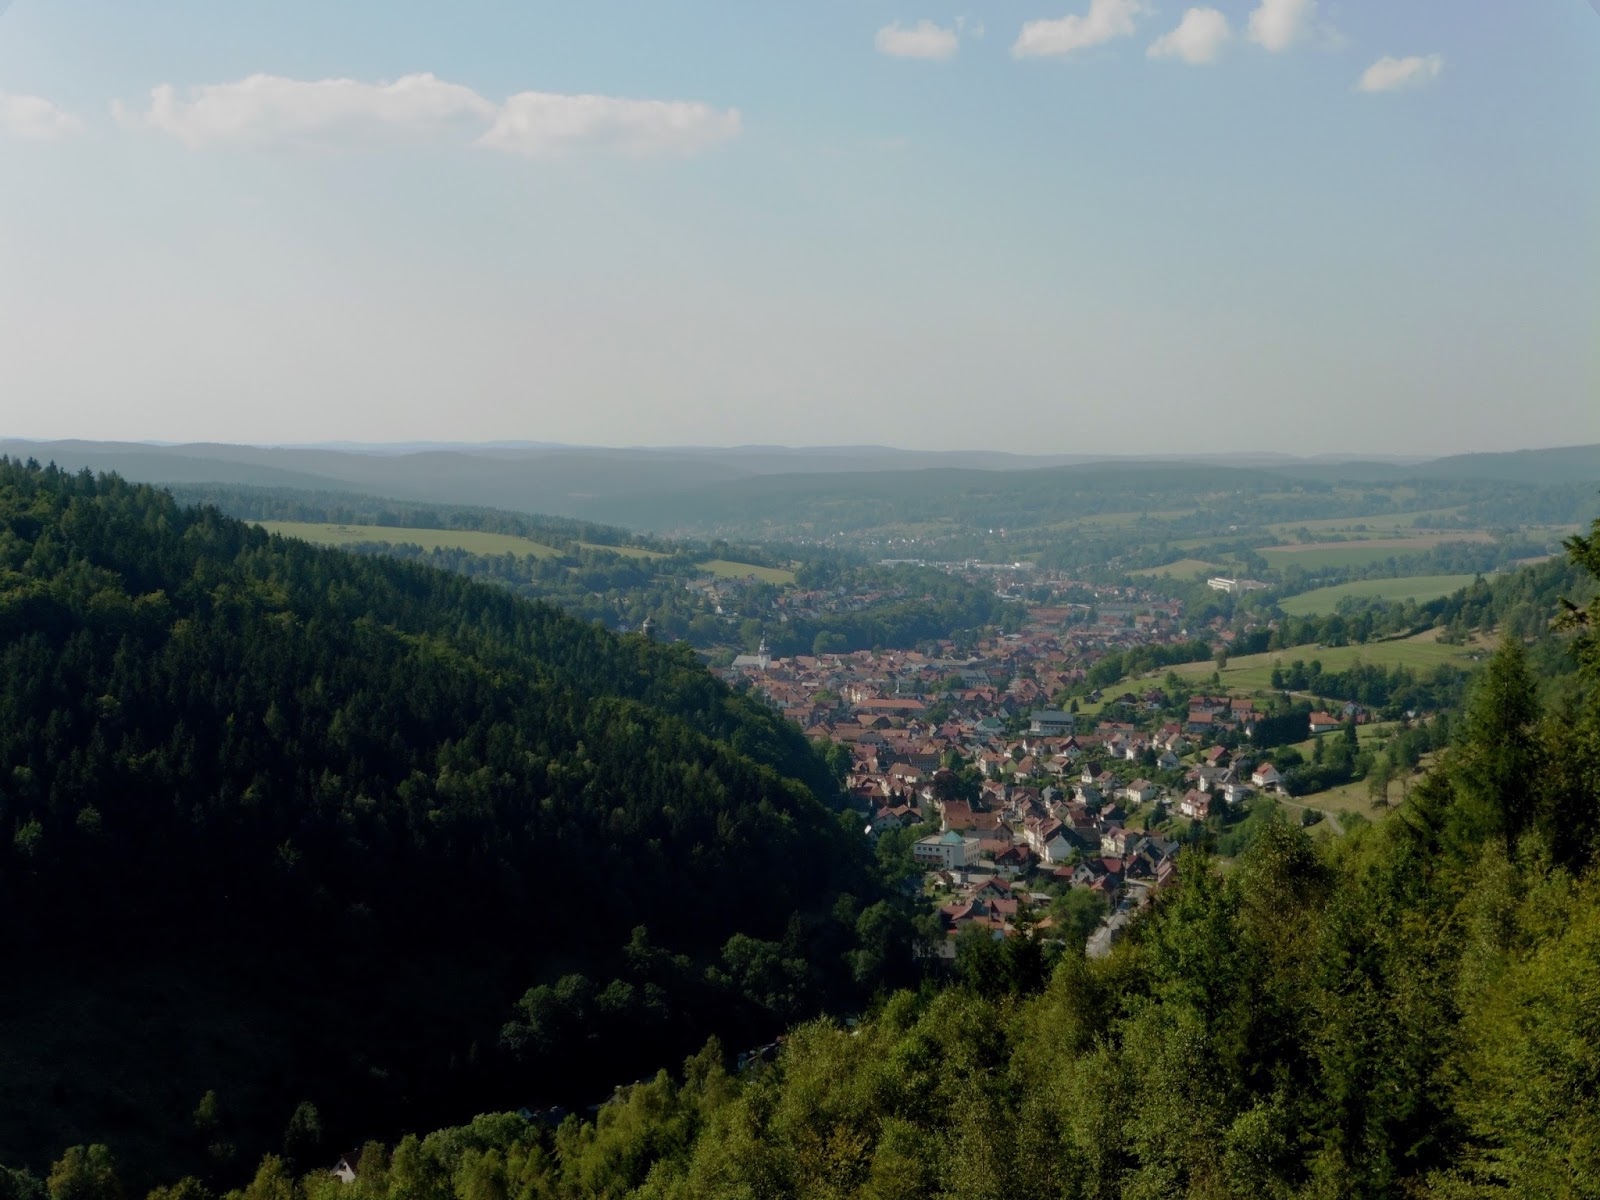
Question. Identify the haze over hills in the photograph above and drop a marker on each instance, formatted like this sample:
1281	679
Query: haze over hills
699	488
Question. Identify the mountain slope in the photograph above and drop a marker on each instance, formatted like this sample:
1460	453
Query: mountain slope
347	810
1409	1011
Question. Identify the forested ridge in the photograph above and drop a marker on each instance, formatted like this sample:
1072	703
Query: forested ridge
370	804
595	572
1412	1010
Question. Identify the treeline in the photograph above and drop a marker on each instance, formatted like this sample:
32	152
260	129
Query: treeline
1391	692
373	803
924	605
1523	603
919	605
1358	619
1338	759
1408	1011
594	577
1447	558
1123	664
348	508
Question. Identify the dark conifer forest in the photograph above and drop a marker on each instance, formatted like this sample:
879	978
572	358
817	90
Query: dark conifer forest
290	824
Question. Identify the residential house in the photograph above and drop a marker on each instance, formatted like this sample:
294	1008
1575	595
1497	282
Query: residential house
1266	776
1140	791
1195	805
1322	722
1116	840
955	814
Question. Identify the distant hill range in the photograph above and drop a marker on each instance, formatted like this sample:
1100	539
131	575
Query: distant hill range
688	487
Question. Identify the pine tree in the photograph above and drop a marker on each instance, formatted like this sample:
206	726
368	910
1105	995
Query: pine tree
1496	773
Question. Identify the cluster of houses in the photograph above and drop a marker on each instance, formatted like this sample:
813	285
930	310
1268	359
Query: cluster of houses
991	864
1055	790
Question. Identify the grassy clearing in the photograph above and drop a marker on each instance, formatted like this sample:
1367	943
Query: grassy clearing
722	568
1390	525
1122	520
1354	797
1375	732
469	540
493	543
1253	672
1182	569
1346	798
625	551
1415	587
1313	555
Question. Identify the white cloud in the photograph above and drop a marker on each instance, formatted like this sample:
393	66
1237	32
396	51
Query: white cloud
269	109
1388	74
922	40
35	119
1197	39
1105	20
541	123
1279	24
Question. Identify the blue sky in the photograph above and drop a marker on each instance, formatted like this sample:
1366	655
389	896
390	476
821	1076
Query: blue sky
1063	225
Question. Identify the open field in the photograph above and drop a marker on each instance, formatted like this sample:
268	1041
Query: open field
469	540
1416	587
1313	555
1353	797
724	569
1122	520
491	543
1253	672
1395	525
624	551
1182	569
1346	798
1373	732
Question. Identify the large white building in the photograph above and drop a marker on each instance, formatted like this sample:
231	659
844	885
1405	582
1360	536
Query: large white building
1221	583
1049	722
948	850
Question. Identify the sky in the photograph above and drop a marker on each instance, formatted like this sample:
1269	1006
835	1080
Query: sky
1114	226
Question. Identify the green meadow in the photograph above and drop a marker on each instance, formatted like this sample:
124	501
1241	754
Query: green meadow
624	551
469	540
1415	587
1314	556
724	568
475	542
1253	672
1397	525
1184	568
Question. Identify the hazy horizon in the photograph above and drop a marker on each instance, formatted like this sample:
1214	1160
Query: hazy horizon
533	445
1116	227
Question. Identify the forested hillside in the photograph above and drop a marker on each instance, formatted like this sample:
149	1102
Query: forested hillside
1413	1010
605	574
289	824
